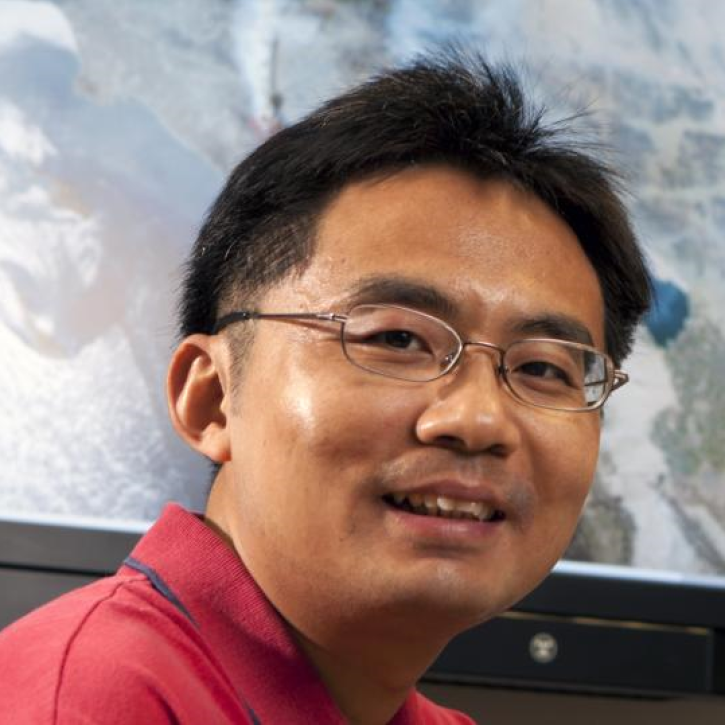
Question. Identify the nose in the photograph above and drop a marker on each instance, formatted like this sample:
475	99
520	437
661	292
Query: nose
471	412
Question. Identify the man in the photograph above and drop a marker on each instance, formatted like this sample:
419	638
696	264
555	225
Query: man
400	321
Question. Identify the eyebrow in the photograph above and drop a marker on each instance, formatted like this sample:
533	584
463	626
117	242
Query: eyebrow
561	327
402	291
398	290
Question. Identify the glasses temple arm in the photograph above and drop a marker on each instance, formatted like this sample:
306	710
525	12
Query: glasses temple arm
246	315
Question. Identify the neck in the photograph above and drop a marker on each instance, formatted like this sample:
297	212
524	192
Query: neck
369	677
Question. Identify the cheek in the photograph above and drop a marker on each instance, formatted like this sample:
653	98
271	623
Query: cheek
316	425
565	448
564	455
350	420
314	453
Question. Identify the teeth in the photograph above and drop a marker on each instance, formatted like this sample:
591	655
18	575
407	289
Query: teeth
431	504
417	503
477	509
444	506
447	504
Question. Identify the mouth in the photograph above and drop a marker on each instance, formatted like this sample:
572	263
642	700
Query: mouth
443	507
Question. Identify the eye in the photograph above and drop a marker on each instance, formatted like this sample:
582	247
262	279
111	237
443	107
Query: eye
399	340
544	370
380	338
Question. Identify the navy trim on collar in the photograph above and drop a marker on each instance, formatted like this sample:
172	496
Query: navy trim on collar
159	585
165	591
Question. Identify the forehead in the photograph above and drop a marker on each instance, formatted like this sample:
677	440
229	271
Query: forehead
499	254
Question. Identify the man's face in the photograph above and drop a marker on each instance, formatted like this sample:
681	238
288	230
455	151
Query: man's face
318	445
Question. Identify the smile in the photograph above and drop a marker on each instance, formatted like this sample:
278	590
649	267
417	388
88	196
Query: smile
443	507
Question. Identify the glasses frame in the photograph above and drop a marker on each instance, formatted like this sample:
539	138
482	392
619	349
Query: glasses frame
616	378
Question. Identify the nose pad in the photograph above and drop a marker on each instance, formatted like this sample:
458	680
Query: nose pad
471	410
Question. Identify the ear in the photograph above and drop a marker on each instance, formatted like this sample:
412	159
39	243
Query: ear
197	394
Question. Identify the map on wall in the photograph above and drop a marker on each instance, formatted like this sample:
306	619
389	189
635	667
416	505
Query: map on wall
119	121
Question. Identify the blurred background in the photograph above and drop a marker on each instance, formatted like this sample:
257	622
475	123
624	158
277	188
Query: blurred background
119	120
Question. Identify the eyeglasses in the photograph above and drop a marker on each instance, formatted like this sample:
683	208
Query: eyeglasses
401	343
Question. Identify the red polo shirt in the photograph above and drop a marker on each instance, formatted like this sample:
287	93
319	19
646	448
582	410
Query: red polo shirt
180	634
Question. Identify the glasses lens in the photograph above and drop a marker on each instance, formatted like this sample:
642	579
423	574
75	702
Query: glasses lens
398	342
557	374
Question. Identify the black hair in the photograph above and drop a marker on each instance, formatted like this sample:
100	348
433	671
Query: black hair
449	107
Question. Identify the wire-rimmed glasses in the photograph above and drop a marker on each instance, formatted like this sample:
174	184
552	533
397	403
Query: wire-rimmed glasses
406	344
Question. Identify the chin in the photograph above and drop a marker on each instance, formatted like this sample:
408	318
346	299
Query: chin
454	604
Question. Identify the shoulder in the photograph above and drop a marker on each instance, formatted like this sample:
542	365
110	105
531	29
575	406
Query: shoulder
97	653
